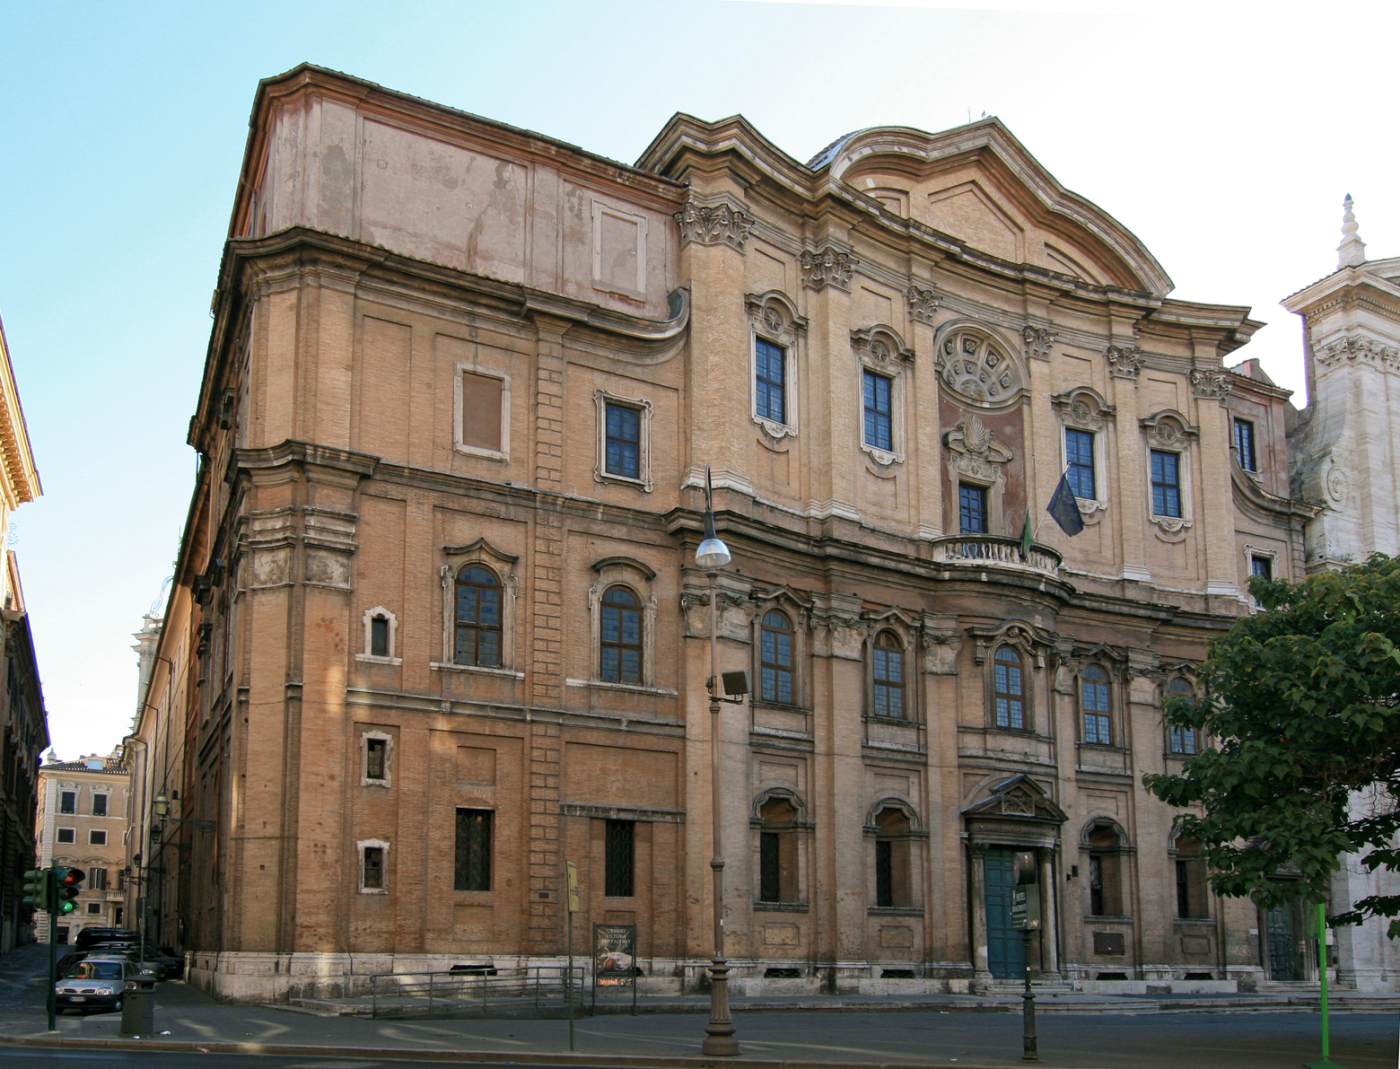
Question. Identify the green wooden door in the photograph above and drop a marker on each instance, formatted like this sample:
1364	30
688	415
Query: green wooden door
1285	963
1006	950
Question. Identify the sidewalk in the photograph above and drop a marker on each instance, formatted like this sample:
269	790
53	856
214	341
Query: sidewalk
969	1031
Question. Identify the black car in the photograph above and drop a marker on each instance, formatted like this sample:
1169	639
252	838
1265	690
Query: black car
90	937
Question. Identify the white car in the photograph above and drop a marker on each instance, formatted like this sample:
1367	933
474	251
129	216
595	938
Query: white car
94	983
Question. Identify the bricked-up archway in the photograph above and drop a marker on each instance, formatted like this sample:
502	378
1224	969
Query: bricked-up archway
1013	813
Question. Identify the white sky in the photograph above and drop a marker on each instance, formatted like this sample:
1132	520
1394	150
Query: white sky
1224	136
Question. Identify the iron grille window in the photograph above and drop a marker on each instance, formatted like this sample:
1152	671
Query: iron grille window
775	658
879	421
99	805
379	636
620	853
623	446
1008	692
472	868
770	887
884	872
478	637
620	653
67	802
376	758
1244	445
1079	453
1094	702
972	509
1166	484
770	381
372	876
888	675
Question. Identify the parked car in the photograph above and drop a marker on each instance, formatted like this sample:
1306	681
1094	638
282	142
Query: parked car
172	965
94	983
132	952
90	937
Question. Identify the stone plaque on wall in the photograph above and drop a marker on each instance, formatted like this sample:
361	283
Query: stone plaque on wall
1108	943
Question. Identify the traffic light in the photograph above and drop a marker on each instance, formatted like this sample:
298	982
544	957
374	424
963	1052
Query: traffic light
68	883
36	888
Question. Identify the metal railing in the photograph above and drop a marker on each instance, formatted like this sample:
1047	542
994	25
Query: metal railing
533	990
976	549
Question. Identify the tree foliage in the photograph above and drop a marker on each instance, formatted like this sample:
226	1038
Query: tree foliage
1299	707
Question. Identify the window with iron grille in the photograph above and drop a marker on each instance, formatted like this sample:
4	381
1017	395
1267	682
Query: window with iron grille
1079	454
770	381
472	867
372	873
1094	704
769	872
376	758
775	658
888	676
1166	484
478	617
879	419
619	857
972	509
620	645
1008	693
1244	445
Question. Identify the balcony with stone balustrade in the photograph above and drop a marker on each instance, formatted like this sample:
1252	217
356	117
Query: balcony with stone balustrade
997	552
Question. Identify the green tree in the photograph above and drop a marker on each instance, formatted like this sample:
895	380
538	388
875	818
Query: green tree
1299	706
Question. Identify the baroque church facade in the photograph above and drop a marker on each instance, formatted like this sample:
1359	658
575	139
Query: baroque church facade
437	627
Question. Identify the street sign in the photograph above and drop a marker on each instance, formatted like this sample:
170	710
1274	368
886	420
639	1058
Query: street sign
571	872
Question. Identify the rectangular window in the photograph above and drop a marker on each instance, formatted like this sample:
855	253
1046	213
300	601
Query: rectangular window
1263	567
372	871
1079	455
66	835
481	411
972	509
884	872
97	879
879	421
99	805
619	855
770	887
1244	445
379	636
376	758
472	871
97	838
770	381
623	441
94	907
68	802
1183	740
1166	483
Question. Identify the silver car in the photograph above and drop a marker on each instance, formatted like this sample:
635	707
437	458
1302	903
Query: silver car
94	983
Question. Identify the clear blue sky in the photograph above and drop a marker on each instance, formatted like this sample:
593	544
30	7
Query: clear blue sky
1224	141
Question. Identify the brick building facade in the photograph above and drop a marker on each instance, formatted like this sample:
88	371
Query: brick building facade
81	823
436	626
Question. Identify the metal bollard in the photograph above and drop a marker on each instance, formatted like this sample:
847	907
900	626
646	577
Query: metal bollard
1029	1052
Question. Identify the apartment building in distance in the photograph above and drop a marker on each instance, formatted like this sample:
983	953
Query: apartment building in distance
23	721
82	824
436	626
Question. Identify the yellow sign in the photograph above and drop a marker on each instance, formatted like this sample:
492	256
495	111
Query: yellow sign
571	878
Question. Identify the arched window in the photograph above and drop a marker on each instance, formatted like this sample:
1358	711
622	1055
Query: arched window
1180	739
776	659
892	873
1094	706
1105	871
777	851
887	673
1191	897
620	656
478	617
1008	690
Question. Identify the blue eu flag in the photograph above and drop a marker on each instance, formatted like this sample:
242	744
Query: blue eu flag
1063	507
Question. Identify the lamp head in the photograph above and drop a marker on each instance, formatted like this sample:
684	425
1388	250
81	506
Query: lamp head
712	553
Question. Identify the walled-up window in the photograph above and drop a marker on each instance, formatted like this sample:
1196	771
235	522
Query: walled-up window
892	870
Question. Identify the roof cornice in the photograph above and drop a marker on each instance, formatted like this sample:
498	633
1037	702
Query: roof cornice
21	476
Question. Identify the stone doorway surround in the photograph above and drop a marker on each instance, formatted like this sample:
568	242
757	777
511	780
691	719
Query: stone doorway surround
1016	813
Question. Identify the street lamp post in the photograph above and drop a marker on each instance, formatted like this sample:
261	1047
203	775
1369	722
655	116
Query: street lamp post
712	555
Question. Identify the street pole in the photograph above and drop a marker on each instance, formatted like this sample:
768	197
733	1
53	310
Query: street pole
53	947
1028	1038
719	1033
1326	1062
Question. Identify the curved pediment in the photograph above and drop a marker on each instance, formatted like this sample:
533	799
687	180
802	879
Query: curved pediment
978	184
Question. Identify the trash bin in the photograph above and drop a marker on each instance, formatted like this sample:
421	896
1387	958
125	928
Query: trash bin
139	1005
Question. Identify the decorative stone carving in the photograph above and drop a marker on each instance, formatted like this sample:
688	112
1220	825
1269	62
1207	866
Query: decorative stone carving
881	347
1038	341
942	642
1336	483
977	368
828	266
1210	384
975	450
711	224
1167	430
1355	349
923	303
1083	408
1124	361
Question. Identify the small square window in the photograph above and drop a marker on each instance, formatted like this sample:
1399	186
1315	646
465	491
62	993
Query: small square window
972	509
1166	484
372	872
99	805
879	419
97	838
94	907
1261	566
376	759
1079	455
66	835
68	802
623	441
1244	445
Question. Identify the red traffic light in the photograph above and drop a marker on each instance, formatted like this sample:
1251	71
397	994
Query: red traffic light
73	877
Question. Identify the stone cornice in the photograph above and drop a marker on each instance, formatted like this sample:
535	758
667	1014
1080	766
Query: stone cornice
21	477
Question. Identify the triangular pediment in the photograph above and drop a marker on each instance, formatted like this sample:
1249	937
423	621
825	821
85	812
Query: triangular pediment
1017	797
